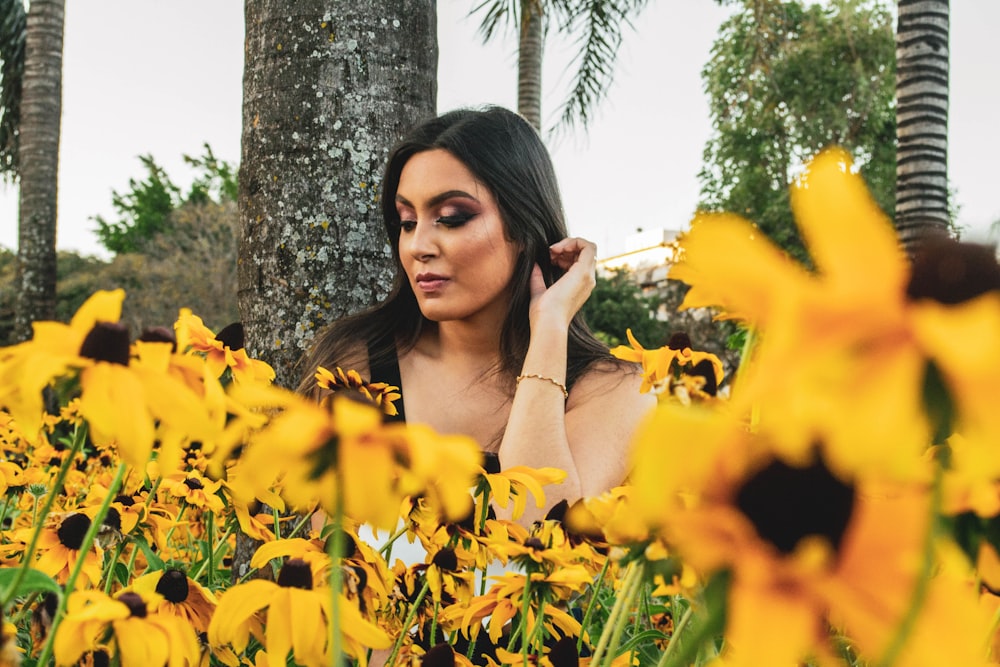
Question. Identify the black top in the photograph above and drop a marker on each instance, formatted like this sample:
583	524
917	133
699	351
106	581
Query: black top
388	371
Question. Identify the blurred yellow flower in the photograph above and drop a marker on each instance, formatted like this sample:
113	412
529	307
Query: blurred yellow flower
223	351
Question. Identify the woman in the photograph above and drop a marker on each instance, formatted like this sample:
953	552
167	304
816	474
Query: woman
483	321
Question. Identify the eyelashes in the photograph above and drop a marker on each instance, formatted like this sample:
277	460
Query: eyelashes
449	221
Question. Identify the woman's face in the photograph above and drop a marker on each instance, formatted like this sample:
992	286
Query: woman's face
451	241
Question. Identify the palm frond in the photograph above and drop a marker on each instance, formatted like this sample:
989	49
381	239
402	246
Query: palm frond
600	25
12	34
496	13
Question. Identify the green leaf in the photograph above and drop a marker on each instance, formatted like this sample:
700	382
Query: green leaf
155	562
33	582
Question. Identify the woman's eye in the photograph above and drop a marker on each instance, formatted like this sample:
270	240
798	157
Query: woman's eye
407	225
456	220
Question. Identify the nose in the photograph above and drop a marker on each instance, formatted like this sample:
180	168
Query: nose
421	242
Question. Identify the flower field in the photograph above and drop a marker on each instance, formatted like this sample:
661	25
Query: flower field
835	503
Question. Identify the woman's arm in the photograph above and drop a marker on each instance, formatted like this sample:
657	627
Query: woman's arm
587	435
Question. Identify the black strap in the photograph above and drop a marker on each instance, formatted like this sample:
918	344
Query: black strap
388	372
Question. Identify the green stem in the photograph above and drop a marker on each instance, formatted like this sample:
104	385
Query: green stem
593	604
110	575
406	623
79	435
335	549
523	621
616	612
922	584
675	637
88	541
210	557
217	552
681	654
621	621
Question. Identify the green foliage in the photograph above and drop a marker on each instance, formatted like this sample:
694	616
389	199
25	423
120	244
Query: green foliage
617	304
13	28
144	210
786	80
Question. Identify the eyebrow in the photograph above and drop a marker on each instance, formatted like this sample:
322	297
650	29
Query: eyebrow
437	199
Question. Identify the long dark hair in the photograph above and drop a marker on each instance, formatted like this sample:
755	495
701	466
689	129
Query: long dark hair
505	153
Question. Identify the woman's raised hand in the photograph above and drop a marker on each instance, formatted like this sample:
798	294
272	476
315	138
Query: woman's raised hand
559	302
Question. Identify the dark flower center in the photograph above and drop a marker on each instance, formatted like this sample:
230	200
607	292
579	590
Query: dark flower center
136	607
558	511
951	272
295	573
446	560
72	530
232	336
786	504
705	369
491	463
159	335
564	653
107	341
173	585
534	544
100	658
441	655
679	340
113	520
193	483
125	501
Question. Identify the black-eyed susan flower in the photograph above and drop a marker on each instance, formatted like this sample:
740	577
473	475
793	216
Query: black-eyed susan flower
124	403
194	489
289	615
833	341
140	635
344	457
662	367
806	548
223	351
183	597
59	545
380	394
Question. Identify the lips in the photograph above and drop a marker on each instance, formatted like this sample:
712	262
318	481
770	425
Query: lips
430	282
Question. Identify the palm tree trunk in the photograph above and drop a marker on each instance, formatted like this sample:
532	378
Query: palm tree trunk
922	121
328	87
38	157
529	62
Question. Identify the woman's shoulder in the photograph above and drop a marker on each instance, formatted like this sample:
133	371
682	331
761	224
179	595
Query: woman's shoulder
608	381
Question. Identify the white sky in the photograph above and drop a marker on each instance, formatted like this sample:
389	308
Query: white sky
146	76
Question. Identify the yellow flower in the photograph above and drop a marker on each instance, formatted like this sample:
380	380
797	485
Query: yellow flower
142	636
194	489
660	367
344	453
379	393
59	548
805	546
123	399
222	351
514	483
834	341
183	597
295	619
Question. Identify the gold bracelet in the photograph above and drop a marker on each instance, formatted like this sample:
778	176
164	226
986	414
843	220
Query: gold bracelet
536	376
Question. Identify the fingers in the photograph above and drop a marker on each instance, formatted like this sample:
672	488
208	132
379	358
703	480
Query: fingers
536	284
572	250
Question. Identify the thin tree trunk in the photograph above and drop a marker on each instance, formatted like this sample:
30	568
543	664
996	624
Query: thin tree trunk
41	108
922	121
529	62
328	88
